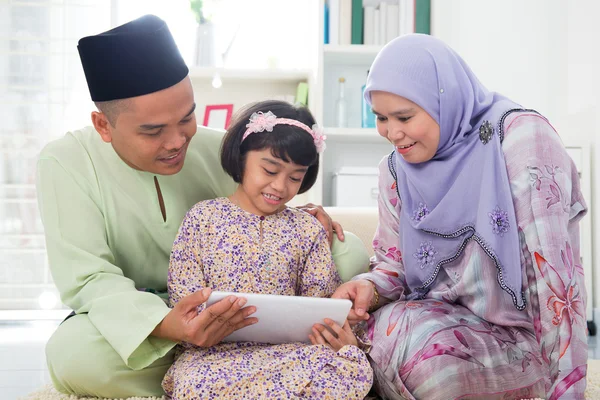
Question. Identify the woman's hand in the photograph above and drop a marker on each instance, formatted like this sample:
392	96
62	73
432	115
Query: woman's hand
330	226
211	326
335	337
361	292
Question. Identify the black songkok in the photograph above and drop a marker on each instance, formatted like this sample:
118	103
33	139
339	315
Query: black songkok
133	59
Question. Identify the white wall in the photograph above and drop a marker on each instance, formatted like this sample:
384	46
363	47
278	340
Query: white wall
543	54
238	93
516	47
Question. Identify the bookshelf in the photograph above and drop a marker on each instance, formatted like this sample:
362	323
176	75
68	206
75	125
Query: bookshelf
353	54
266	75
242	86
354	135
352	146
357	147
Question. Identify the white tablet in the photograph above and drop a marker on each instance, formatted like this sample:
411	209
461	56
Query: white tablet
284	319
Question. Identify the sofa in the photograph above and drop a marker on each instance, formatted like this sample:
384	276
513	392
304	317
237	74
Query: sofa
362	221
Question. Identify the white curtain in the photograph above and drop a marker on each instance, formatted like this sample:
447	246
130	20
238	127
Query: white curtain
43	94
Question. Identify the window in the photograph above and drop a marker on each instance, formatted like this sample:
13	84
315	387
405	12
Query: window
249	33
43	94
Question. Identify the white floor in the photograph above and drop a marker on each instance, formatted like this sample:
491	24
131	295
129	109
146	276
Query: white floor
22	359
594	347
23	362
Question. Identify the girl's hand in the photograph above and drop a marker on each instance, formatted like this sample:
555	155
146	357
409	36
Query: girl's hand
339	338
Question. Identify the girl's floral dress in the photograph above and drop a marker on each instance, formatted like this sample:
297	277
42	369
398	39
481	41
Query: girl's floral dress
223	247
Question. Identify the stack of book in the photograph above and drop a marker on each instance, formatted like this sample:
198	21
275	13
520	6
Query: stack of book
374	22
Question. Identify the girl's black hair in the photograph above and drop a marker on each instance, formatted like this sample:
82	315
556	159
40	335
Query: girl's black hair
287	142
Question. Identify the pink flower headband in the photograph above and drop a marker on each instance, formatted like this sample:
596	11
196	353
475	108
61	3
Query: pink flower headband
260	122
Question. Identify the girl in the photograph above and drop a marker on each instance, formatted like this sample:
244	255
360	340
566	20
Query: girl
251	242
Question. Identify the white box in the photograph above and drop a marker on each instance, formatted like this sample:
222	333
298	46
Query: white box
355	187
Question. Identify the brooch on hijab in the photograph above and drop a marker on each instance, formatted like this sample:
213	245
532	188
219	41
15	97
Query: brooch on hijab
420	213
425	254
486	131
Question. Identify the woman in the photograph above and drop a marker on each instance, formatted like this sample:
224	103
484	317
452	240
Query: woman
475	290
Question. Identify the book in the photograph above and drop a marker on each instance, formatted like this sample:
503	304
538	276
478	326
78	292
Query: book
369	25
334	22
423	16
383	11
409	16
326	22
392	22
345	32
302	94
357	22
376	18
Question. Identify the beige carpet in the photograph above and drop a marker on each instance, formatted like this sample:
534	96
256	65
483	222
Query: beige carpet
48	393
593	378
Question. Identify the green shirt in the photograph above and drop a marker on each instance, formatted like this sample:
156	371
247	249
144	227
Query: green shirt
106	237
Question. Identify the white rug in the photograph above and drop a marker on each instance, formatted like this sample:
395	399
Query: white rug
49	393
593	379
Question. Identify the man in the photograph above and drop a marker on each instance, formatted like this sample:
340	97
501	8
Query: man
112	197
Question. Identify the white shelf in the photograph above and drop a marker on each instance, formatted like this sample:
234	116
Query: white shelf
23	251
22	235
53	3
21	151
354	54
17	186
35	315
369	135
346	147
18	200
256	75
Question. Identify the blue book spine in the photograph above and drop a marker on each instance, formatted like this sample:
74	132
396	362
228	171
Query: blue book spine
367	117
326	22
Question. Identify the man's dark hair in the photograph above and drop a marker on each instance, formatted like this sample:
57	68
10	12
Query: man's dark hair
112	109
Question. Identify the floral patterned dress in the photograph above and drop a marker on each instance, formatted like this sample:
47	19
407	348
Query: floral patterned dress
221	246
466	339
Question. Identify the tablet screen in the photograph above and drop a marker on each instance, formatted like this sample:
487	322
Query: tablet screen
284	319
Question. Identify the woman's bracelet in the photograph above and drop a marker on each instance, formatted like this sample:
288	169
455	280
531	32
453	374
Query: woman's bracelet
375	300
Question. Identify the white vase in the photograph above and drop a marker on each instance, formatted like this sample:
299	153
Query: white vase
206	55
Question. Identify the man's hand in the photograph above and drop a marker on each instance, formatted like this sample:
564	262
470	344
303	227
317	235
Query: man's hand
361	293
330	226
211	326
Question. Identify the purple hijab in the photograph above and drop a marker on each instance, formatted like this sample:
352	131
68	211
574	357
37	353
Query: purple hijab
463	192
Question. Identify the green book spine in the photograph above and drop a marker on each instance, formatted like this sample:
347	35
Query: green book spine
357	22
423	16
